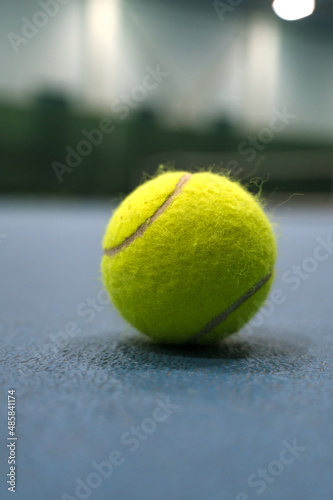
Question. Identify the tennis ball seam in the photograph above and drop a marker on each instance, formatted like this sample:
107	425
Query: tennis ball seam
217	320
110	252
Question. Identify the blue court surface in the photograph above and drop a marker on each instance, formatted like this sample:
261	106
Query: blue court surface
103	413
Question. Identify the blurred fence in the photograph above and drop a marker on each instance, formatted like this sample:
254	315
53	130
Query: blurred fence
47	148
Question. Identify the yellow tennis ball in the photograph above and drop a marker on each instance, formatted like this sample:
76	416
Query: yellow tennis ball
188	257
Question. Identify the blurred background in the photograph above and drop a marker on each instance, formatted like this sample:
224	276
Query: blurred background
95	93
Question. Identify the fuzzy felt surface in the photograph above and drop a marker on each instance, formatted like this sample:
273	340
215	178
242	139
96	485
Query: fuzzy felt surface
209	247
139	206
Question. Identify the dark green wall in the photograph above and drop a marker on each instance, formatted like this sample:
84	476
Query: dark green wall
33	138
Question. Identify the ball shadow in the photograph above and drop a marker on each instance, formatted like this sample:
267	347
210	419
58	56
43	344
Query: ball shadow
224	349
235	353
132	353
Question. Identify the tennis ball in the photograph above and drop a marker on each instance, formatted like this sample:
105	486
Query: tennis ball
188	257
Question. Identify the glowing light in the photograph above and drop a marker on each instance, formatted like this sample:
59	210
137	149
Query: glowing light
291	10
102	31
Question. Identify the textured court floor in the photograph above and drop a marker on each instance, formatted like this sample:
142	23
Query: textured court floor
103	413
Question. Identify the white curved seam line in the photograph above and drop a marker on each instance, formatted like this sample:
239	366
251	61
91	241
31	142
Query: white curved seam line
110	252
223	315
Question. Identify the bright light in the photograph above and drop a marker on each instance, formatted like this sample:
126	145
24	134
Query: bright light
290	10
101	38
